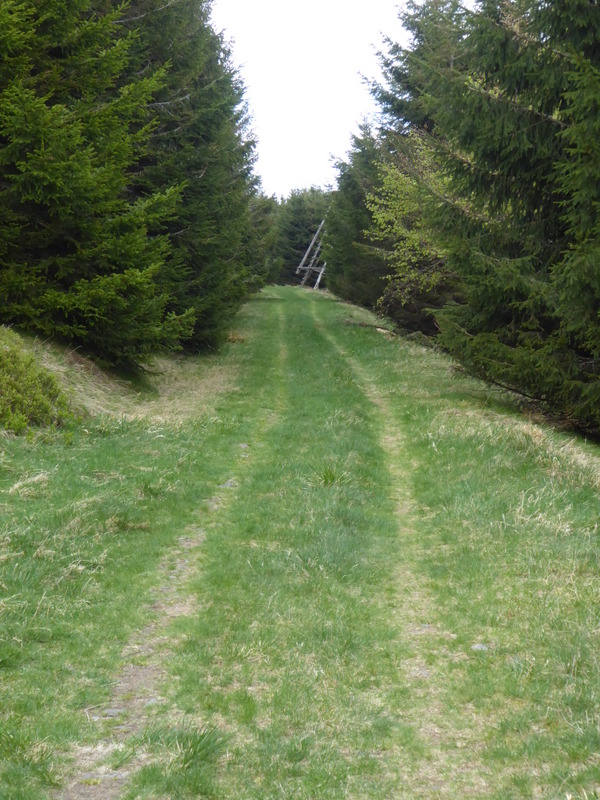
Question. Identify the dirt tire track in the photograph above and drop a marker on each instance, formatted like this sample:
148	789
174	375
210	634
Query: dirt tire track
137	688
453	761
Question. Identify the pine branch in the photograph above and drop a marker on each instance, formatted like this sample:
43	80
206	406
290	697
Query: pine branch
497	95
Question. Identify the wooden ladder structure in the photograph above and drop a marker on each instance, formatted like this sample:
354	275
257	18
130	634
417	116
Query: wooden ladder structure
313	268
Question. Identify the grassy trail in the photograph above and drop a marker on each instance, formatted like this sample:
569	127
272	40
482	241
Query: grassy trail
334	570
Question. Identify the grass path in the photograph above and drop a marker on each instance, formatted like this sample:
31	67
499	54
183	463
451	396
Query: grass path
350	573
448	762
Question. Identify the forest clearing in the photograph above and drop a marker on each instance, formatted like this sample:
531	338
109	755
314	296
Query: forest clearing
321	563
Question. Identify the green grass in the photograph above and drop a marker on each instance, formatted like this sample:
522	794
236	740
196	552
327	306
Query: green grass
29	394
322	564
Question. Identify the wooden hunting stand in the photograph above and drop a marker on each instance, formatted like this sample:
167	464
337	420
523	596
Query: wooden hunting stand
314	269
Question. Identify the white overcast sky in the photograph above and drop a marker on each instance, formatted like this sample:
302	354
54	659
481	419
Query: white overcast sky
301	63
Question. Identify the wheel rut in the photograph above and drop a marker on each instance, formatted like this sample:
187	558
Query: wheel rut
452	763
102	770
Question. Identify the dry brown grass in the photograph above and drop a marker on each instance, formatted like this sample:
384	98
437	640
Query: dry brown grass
174	389
558	454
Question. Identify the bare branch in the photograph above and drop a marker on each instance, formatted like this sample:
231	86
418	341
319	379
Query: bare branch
141	16
170	102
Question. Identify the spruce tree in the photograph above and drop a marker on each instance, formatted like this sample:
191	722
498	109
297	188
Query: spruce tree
419	280
76	257
504	96
261	241
577	275
356	269
202	143
300	215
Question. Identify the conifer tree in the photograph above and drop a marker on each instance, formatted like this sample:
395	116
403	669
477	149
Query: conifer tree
300	215
262	240
76	257
202	143
505	96
356	269
577	275
419	280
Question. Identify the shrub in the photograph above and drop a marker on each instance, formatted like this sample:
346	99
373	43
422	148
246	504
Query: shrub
29	394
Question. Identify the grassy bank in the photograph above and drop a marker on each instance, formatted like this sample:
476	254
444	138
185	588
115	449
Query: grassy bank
319	565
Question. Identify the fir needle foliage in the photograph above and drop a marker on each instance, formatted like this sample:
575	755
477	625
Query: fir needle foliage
77	258
499	92
489	192
125	176
419	279
355	268
201	142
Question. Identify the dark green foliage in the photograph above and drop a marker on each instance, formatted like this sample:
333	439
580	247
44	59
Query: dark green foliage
29	395
76	256
299	218
128	209
506	97
577	276
262	241
355	268
434	28
201	143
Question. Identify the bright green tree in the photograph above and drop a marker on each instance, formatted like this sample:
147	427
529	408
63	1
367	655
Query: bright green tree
419	280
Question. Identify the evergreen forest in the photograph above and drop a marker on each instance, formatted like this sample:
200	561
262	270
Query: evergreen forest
132	221
472	212
264	541
128	205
